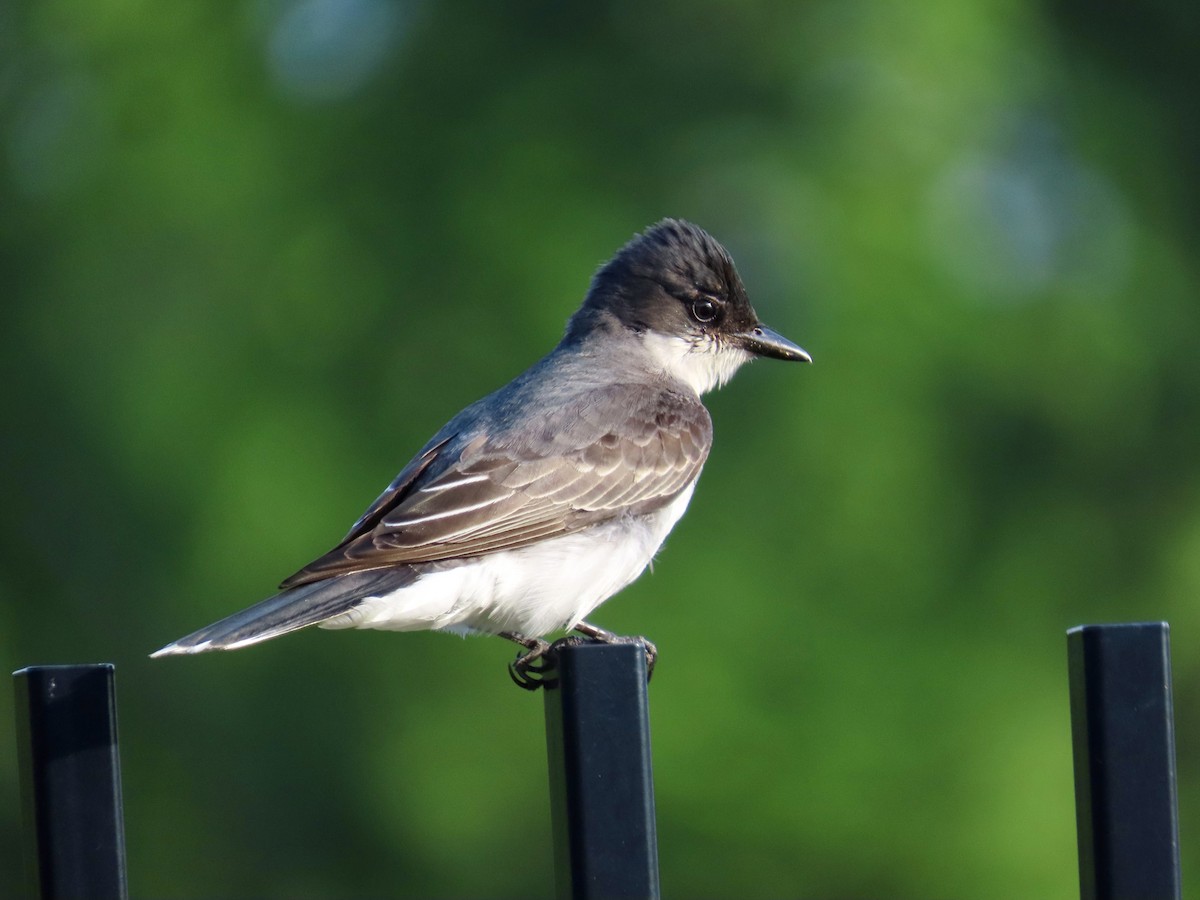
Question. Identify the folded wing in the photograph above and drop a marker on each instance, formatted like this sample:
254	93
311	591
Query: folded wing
622	450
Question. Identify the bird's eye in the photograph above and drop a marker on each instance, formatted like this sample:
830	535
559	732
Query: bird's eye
704	309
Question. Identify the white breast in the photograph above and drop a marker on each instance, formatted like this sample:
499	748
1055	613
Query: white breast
549	586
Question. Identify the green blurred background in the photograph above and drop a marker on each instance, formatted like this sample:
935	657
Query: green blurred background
253	254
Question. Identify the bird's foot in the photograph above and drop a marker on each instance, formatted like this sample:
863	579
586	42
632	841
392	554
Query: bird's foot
528	669
603	636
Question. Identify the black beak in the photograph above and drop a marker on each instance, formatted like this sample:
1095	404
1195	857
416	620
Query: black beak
762	341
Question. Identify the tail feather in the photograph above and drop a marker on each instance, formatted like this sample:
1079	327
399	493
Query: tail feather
291	610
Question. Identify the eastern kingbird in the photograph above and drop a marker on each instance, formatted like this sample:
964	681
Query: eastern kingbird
536	504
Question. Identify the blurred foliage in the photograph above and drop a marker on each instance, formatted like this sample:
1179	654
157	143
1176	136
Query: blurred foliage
253	254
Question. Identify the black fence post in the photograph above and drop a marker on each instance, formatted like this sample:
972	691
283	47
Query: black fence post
70	777
601	786
1122	725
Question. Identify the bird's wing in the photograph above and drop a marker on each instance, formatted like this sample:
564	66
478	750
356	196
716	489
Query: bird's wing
507	490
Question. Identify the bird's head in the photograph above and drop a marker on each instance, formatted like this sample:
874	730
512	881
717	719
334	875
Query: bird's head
677	289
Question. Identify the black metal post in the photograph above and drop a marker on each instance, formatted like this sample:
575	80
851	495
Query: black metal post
71	782
601	786
1122	725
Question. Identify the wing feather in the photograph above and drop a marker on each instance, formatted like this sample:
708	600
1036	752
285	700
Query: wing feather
496	493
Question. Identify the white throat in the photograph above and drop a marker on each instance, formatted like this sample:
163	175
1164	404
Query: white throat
702	365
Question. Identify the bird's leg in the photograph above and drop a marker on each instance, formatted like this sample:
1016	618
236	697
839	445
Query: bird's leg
596	633
526	670
604	636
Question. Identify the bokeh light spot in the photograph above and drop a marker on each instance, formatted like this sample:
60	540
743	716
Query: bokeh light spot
1014	224
56	138
326	50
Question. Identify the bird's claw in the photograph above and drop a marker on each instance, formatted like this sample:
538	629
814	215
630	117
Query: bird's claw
528	669
647	646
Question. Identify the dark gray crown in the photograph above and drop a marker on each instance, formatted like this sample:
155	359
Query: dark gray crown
645	285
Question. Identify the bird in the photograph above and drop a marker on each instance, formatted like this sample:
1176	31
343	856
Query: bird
537	503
